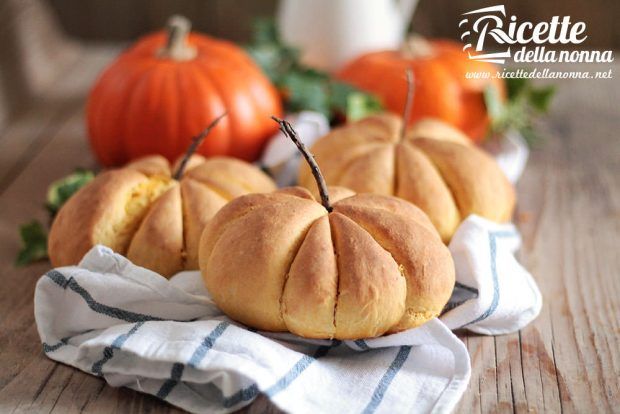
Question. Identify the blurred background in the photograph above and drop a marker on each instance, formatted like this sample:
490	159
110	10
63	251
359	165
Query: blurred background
38	38
126	19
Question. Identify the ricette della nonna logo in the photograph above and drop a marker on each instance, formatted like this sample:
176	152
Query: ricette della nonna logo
490	35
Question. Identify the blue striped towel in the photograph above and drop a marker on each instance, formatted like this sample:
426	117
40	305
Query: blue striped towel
136	329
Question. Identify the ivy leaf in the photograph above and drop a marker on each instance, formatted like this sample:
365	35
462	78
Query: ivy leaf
34	243
519	111
265	31
541	98
61	190
267	50
515	87
33	234
495	106
274	60
303	87
340	93
305	90
348	101
532	138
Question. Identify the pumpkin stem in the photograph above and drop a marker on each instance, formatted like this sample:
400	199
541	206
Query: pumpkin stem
408	102
178	28
290	133
416	47
196	141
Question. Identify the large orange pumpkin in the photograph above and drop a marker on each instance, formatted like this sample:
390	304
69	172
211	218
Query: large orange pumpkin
442	89
168	86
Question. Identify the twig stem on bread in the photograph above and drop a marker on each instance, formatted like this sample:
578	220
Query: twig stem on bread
291	134
408	101
196	141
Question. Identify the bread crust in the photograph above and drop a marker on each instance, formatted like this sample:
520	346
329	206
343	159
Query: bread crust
311	288
371	289
200	203
77	223
141	212
434	166
425	261
281	262
158	242
251	258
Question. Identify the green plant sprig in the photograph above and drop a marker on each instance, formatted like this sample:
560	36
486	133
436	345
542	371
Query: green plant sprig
523	105
34	234
303	87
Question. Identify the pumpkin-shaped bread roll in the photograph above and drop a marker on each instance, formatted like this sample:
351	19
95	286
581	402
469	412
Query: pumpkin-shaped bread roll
142	212
342	266
432	165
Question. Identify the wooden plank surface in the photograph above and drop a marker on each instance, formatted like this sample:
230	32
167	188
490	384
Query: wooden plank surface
568	360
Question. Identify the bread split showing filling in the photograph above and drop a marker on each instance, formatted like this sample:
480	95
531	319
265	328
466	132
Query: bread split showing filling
124	218
142	212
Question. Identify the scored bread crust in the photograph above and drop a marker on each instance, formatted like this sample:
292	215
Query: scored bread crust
281	262
158	242
313	276
200	203
434	166
141	212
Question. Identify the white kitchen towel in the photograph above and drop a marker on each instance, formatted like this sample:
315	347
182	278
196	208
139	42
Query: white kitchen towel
494	294
163	337
511	153
281	157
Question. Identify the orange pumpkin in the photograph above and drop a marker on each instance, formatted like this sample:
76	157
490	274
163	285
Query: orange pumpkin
442	89
168	86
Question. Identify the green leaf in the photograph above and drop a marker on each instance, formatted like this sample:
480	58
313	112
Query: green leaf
493	103
540	98
265	31
267	58
361	105
266	49
305	90
340	93
34	243
349	101
516	87
303	87
61	190
520	109
530	135
33	234
274	60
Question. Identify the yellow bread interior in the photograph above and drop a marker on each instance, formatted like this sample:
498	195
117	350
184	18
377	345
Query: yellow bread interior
91	214
281	262
141	212
117	230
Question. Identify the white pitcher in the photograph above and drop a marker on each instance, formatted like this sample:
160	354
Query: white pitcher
330	32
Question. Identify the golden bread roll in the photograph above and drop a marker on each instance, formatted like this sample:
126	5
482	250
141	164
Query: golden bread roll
281	261
433	165
142	212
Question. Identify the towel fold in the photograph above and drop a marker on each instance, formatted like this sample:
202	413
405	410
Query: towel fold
137	329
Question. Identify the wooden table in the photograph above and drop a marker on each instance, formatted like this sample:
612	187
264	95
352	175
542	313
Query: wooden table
569	214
